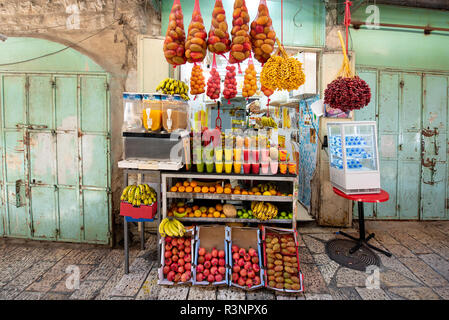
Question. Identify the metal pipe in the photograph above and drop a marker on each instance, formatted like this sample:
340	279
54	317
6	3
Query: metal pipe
427	29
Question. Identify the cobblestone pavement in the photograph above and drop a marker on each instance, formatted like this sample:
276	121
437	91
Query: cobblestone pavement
419	269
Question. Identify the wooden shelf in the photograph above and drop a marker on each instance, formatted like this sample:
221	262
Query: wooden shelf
214	220
222	196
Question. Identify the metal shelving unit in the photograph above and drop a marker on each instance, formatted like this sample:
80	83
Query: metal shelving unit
293	179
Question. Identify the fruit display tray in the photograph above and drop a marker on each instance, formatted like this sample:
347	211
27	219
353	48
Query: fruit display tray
190	232
245	238
209	237
142	212
278	232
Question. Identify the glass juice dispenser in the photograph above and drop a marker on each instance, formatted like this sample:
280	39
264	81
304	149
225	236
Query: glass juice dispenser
353	156
132	108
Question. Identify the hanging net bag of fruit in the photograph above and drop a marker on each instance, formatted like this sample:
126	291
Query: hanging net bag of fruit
196	44
282	72
250	80
197	81
347	92
262	34
218	41
213	84
175	37
230	83
241	42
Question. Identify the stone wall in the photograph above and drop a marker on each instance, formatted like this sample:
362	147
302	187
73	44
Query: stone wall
114	26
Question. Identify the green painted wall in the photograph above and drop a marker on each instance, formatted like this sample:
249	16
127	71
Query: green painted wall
20	49
404	49
304	20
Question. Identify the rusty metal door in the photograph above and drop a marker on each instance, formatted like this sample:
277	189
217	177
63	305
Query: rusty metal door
411	112
55	139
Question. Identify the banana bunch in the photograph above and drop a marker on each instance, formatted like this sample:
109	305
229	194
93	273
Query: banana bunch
268	122
171	228
139	195
263	187
172	86
264	210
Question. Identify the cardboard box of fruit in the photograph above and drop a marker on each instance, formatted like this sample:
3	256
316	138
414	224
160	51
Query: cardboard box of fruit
281	260
245	258
177	259
211	256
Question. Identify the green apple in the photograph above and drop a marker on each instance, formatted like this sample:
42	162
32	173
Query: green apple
283	213
245	216
290	215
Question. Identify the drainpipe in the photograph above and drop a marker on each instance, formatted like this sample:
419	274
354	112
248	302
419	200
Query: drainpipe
427	29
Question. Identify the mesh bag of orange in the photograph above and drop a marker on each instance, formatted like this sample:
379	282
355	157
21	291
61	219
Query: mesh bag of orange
218	41
175	36
241	42
250	80
196	44
262	34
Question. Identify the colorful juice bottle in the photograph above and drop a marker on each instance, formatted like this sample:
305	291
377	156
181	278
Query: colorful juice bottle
283	167
264	167
228	154
210	167
255	167
237	167
246	168
219	167
228	167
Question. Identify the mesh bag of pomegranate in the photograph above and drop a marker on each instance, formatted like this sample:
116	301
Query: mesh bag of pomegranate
348	91
196	44
241	42
175	36
230	83
262	34
218	41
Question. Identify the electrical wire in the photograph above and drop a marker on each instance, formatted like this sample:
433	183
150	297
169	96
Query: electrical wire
60	50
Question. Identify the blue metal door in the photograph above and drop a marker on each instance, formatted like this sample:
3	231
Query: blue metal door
55	135
411	113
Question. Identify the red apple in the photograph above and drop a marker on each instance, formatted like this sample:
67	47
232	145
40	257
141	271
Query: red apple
242	252
168	262
171	276
255	260
235	249
214	270
249	283
181	240
218	277
248	266
181	254
235	256
181	262
174	242
181	269
168	246
201	259
214	261
241	262
174	267
199	277
236	268
247	257
185	277
187	243
207	264
241	282
210	278
187	249
256	267
177	277
251	274
256	280
199	268
221	270
214	253
174	251
188	266
168	239
167	254
175	258
166	269
243	273
252	252
206	273
181	246
187	258
221	254
202	251
221	262
208	256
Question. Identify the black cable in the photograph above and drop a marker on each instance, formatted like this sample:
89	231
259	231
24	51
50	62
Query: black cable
58	51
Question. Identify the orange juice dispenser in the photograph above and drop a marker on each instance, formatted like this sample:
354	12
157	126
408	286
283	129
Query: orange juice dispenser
152	112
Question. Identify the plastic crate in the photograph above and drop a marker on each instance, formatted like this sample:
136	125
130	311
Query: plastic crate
142	212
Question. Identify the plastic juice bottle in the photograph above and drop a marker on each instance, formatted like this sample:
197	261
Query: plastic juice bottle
246	168
228	154
237	154
200	167
264	168
209	166
228	167
265	155
255	155
219	154
219	167
237	167
283	167
255	167
246	155
292	167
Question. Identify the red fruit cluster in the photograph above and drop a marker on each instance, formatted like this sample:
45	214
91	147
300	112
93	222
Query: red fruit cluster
213	85
178	259
245	267
230	84
211	265
347	94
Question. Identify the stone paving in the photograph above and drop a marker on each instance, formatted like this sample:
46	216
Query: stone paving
418	269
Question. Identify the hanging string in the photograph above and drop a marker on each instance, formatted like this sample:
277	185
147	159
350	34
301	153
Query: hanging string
347	21
282	22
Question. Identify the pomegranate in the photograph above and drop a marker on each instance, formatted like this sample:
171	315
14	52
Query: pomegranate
171	276
214	261
218	277
174	267
174	242
255	259
199	268
221	254
251	274
242	252
235	277
207	264
199	277
181	247
175	258
167	254
181	262
221	262
168	262
248	266
187	258
187	243
208	256
221	270
187	249
249	283
175	251
241	282
235	256
243	273
201	259
201	251
214	253
168	246
210	278
247	257
252	252
166	269
181	240
177	277
256	280
206	273
188	266
235	249
181	269
241	262
214	270
256	267
236	268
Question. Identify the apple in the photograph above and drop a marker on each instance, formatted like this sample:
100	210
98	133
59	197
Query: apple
221	254
174	251
199	277
256	267
241	281
167	254
168	247
201	259
207	264
248	266
211	278
181	240
206	272
168	239
175	258
199	268
187	249
187	243
202	251
214	261
247	257
174	267
255	260
235	256
208	256
181	269
171	276
249	283
177	277
236	268
221	270
243	273
168	262
174	242
242	252
181	262
218	277
181	247
221	262
241	262
214	270
256	280
188	266
214	253
166	269
181	254
252	252
187	258
185	277
251	274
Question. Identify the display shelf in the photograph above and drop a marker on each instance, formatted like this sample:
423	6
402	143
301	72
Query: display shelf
198	175
214	220
222	196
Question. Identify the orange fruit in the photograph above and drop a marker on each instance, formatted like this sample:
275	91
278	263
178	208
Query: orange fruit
189	189
216	214
237	187
204	215
257	193
210	215
255	189
273	192
228	185
181	189
219	190
203	209
186	183
197	213
222	215
204	189
236	191
181	210
197	189
170	213
219	207
290	195
191	215
244	192
189	210
251	193
174	189
212	189
178	184
217	186
193	184
195	207
211	210
227	190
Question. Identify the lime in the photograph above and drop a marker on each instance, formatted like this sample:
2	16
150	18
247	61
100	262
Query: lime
290	215
283	214
239	213
250	212
245	216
